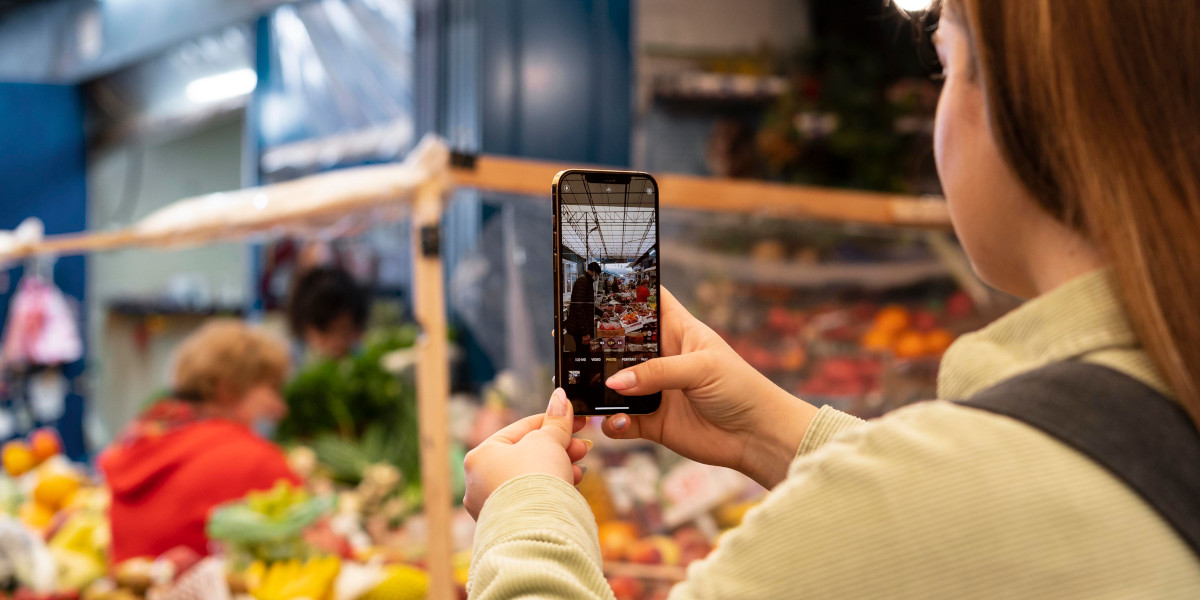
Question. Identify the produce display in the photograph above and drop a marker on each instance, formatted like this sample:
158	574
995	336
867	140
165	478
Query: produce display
54	535
342	399
268	526
330	540
625	325
657	513
857	319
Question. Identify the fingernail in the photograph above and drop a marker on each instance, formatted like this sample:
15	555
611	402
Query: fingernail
589	444
558	404
622	381
620	422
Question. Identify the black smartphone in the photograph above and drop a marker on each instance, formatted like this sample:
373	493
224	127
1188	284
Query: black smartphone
606	289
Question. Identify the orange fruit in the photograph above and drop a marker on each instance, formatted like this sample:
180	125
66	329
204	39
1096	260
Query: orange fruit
937	341
878	340
18	458
893	319
45	443
35	515
616	538
909	344
794	359
53	489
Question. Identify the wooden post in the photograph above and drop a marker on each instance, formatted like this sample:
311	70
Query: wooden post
433	387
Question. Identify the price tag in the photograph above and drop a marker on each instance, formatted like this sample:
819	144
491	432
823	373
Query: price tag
692	489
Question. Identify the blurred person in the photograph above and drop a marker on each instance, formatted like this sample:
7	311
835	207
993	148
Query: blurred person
643	291
1061	460
581	313
328	311
204	446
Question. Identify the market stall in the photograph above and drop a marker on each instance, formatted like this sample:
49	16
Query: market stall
416	189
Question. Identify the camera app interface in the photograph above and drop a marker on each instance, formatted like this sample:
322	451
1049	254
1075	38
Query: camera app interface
609	254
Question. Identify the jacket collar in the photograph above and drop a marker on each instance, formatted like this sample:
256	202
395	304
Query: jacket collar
1081	317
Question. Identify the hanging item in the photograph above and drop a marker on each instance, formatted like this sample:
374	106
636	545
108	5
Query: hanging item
30	232
48	395
8	424
41	326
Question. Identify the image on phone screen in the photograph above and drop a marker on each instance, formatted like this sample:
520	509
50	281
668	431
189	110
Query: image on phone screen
608	269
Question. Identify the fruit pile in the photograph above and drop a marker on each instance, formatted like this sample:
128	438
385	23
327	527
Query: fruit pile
320	578
268	526
843	376
65	517
609	330
279	544
48	482
908	334
291	579
620	542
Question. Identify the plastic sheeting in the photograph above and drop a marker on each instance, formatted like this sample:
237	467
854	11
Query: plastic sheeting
326	202
338	85
503	292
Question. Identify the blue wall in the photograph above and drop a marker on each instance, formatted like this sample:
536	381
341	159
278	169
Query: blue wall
548	79
557	79
42	166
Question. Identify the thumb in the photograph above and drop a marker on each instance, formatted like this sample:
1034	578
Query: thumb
559	422
682	372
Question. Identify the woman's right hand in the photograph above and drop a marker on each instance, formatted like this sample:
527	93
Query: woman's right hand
716	408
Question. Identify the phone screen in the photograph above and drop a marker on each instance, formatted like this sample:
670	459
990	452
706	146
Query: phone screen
606	238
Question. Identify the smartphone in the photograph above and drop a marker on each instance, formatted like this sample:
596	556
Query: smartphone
606	290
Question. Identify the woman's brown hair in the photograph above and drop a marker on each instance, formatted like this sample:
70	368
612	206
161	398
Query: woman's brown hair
1096	105
227	354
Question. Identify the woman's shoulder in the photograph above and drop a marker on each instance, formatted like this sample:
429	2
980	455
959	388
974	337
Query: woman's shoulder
938	437
943	460
940	433
982	491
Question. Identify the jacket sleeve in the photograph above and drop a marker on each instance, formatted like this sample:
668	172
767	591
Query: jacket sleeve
536	538
537	535
931	501
826	425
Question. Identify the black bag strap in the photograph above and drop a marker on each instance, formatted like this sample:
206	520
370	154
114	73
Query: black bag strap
1124	425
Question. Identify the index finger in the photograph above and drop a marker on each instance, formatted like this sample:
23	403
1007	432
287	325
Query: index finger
675	319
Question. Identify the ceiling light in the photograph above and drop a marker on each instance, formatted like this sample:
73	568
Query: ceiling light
222	87
913	5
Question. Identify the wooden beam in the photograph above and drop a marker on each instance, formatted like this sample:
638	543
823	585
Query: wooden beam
382	185
531	177
433	389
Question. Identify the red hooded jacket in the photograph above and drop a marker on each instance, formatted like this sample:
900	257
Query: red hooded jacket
165	479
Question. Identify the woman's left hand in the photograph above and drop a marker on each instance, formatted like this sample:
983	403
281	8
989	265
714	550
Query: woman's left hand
536	444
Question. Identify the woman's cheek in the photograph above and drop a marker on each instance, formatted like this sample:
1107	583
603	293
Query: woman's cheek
956	147
943	140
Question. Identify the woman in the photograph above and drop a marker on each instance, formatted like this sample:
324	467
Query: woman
200	449
1068	142
643	292
328	311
